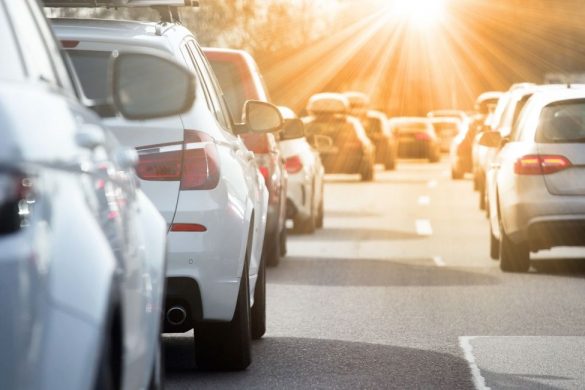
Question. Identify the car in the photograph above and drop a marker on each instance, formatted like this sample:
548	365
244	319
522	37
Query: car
352	151
449	113
82	249
447	128
416	138
306	175
379	132
241	80
460	151
540	197
204	181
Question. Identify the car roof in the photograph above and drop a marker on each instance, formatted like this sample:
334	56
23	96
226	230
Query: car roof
545	97
106	30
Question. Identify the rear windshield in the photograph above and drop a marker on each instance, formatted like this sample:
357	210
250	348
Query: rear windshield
487	105
374	126
562	122
233	90
92	70
409	128
339	130
446	128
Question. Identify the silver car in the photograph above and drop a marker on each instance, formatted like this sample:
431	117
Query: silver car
539	200
82	250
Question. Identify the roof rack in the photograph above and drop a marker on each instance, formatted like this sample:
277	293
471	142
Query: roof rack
120	3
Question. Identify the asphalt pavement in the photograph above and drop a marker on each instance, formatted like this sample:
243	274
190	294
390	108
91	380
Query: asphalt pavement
398	291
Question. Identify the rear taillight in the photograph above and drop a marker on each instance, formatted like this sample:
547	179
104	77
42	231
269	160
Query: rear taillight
195	164
294	164
265	173
541	165
187	227
422	137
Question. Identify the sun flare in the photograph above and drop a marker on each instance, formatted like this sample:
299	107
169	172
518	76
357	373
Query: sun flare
420	14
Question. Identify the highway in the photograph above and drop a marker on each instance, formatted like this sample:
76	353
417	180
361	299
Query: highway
398	291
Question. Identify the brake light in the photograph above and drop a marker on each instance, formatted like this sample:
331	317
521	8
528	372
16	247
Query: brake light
187	227
293	164
196	164
422	137
16	202
541	165
264	171
69	44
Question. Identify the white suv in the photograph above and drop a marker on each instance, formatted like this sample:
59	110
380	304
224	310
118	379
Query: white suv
205	183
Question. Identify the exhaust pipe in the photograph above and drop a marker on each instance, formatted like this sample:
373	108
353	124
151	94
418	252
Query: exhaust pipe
176	315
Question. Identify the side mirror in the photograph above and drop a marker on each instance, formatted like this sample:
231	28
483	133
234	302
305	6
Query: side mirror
293	129
147	86
260	117
491	139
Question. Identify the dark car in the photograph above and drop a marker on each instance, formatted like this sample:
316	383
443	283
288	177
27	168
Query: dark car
378	130
240	80
351	150
416	138
460	153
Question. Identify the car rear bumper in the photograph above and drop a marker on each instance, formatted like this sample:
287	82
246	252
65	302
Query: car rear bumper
417	149
342	162
299	195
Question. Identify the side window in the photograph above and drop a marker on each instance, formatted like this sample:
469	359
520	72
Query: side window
216	95
36	55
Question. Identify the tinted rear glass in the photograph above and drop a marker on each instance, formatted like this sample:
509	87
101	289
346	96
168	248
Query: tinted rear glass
562	122
229	79
92	71
409	128
374	126
338	129
446	128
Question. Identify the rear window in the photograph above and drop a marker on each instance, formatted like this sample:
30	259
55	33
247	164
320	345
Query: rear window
446	128
339	130
562	122
229	79
374	126
92	70
409	128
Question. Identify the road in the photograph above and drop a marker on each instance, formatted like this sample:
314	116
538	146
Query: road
398	291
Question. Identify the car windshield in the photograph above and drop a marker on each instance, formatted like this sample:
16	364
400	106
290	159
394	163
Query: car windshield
92	70
562	122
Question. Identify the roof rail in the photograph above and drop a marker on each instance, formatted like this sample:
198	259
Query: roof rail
120	3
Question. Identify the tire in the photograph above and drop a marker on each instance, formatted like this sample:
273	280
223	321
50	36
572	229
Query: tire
258	311
513	257
482	197
367	173
227	346
390	163
283	242
272	250
320	215
306	226
494	247
456	174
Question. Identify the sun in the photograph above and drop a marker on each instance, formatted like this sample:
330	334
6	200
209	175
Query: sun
419	14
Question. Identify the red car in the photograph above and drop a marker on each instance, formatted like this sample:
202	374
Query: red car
240	80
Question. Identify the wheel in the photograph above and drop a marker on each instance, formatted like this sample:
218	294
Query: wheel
456	174
482	197
271	252
367	173
390	163
283	247
494	247
227	346
514	257
259	308
157	374
305	226
320	214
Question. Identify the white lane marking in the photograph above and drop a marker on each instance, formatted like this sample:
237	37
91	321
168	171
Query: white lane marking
478	379
424	200
432	183
439	261
423	227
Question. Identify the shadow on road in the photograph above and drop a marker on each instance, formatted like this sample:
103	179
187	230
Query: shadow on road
357	234
561	267
350	272
301	363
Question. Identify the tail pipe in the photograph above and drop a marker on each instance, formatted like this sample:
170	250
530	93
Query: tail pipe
176	315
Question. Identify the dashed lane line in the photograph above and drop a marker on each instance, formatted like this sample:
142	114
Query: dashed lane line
424	200
423	227
432	183
439	262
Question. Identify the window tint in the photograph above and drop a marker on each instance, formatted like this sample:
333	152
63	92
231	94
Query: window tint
340	130
33	46
92	71
374	126
11	67
229	80
446	129
562	122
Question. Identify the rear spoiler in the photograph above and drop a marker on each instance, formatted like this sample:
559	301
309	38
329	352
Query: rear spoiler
120	3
